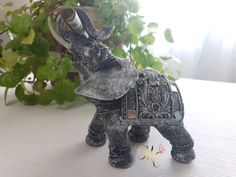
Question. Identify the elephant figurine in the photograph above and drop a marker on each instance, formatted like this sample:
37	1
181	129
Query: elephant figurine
122	95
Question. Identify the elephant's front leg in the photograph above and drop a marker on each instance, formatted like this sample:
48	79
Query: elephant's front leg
120	151
181	141
96	131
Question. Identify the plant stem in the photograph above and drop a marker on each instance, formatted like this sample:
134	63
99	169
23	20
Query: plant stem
5	95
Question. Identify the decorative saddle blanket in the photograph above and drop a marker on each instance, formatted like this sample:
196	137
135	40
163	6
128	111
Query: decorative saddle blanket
154	97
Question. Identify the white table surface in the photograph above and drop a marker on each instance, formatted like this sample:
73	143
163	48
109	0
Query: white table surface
38	141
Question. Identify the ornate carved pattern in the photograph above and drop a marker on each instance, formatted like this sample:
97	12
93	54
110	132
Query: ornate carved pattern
152	98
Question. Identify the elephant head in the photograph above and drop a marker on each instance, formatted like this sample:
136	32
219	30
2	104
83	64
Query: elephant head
105	76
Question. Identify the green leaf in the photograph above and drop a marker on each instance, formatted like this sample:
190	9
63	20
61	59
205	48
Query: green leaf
66	64
77	80
149	60
64	67
64	91
133	6
31	99
40	47
51	61
42	11
46	73
152	25
45	97
148	39
106	12
52	70
20	24
61	74
0	51
168	35
11	79
138	56
28	40
70	3
166	58
26	99
133	38
8	4
135	25
20	93
158	65
40	23
3	26
119	52
9	59
120	9
142	57
172	78
15	44
169	72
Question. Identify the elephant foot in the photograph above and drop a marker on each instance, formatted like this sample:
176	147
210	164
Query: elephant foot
95	140
138	138
183	156
121	161
139	134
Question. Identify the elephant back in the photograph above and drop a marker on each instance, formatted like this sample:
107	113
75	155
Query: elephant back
154	97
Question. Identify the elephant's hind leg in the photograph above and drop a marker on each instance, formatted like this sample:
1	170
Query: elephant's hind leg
181	141
96	132
139	133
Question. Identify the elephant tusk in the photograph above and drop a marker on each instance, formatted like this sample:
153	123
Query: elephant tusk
71	18
58	38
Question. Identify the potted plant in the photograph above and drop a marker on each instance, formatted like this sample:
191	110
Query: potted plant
40	69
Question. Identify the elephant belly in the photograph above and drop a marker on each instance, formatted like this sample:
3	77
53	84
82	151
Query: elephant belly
154	100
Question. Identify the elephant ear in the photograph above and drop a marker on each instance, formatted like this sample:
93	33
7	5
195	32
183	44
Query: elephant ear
111	83
105	32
